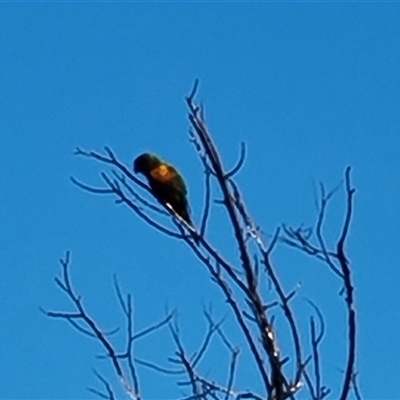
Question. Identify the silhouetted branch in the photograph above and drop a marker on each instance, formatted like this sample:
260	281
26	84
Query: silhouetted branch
193	91
109	395
113	186
90	189
220	333
324	202
349	289
241	282
92	327
299	238
239	164
355	387
338	263
158	368
216	275
122	179
317	391
234	205
232	370
212	328
181	354
207	202
154	327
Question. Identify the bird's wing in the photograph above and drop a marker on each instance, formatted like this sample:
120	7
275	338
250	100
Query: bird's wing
169	176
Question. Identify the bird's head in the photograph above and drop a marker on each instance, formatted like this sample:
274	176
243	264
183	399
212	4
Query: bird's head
145	163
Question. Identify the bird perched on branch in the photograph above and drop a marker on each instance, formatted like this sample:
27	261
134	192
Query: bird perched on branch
167	185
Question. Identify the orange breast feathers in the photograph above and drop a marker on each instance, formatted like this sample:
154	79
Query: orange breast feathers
163	173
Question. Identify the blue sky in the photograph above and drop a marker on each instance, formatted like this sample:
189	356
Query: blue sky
309	87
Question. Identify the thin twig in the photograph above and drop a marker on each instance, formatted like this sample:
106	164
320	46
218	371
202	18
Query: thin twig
232	370
110	394
207	201
239	164
66	285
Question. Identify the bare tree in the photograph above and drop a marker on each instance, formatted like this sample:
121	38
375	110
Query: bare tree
283	373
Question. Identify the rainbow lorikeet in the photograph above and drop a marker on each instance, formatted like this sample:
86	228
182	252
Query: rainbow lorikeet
167	185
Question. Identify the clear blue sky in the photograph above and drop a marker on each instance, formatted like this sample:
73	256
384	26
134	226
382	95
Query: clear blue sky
311	88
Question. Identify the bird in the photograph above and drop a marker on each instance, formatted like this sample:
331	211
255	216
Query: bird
166	184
